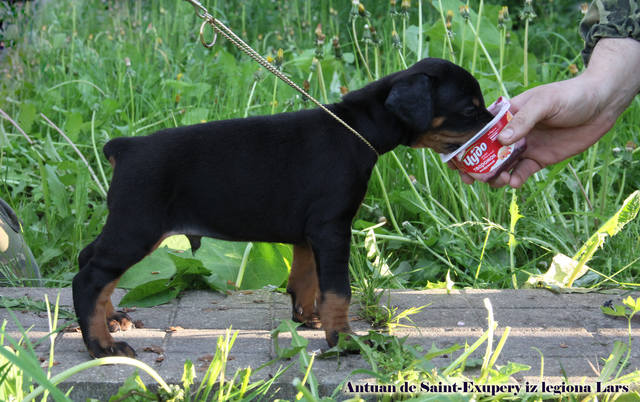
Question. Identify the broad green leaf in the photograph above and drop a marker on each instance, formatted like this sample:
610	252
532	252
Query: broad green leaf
73	125
514	213
57	192
564	270
149	294
437	352
634	305
188	266
188	375
627	212
557	276
612	362
157	265
195	116
617	311
268	263
133	385
177	242
504	373
298	343
27	116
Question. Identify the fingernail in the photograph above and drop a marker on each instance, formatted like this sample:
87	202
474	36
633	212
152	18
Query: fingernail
505	135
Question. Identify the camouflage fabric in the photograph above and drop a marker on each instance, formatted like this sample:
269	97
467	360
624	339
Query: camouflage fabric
609	19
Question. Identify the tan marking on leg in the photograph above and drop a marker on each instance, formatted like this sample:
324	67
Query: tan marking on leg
98	320
334	314
303	283
108	308
112	325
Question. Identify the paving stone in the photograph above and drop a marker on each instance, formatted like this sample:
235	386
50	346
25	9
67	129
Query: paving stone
570	331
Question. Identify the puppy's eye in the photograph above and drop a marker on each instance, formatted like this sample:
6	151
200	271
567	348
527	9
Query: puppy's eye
470	111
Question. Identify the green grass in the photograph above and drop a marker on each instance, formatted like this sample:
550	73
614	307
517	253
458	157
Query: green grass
99	71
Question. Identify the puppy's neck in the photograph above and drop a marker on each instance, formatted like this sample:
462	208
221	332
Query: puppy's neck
374	123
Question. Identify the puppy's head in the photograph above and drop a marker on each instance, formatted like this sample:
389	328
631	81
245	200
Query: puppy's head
439	103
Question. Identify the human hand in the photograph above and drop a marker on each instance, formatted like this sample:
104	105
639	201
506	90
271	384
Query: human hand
564	118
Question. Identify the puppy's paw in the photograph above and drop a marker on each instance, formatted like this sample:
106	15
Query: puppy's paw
308	320
114	349
332	336
119	321
313	322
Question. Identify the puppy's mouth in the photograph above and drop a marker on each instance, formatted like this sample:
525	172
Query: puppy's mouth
443	142
448	148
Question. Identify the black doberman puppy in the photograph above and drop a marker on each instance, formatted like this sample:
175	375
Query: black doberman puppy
295	178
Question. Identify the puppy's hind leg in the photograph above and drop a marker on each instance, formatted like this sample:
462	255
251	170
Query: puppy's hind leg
116	320
121	244
303	286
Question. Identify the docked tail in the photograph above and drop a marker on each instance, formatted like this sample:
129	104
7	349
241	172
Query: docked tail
114	148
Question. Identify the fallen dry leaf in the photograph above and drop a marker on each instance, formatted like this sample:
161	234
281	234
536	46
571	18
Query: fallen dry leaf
205	358
154	349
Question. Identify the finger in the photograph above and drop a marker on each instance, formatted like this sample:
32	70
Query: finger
529	113
466	179
500	181
518	101
522	171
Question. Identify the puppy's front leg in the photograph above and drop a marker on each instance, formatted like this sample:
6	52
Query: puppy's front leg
331	250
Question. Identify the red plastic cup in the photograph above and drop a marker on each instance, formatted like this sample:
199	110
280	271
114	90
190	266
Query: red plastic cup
483	157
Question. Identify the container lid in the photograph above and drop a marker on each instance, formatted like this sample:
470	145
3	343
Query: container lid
498	109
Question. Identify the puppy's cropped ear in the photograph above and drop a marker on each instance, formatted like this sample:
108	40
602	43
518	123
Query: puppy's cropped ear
410	101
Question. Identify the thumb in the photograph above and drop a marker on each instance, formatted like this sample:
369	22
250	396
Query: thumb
528	112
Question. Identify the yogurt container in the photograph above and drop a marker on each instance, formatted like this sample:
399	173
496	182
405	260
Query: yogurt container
483	157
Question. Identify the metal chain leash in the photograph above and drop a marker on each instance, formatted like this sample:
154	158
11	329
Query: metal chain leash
219	27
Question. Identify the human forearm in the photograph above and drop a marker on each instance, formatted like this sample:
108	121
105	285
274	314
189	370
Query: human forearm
614	71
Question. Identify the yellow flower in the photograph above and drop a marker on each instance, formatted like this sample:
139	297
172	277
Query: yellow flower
361	9
464	12
279	56
573	69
